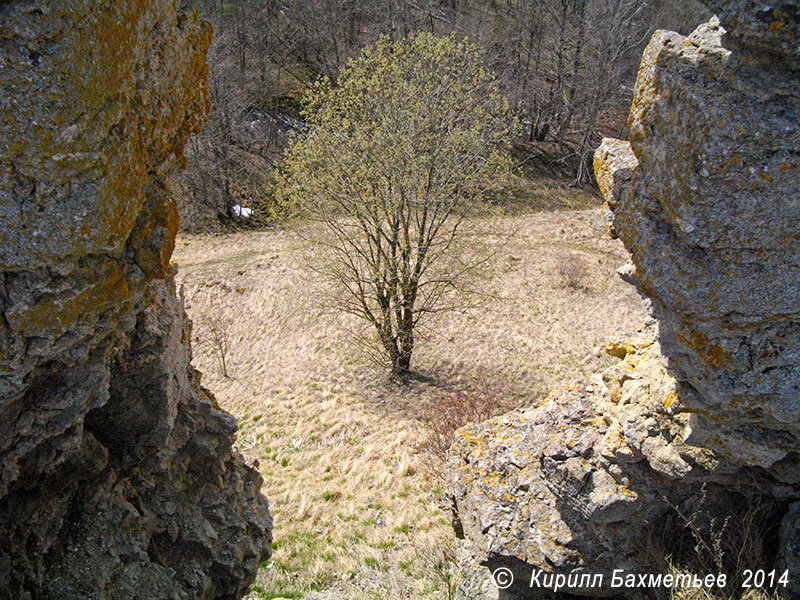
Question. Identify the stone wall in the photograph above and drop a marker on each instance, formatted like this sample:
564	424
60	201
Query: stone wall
117	474
700	420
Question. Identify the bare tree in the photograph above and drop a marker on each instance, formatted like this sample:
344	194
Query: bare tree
219	326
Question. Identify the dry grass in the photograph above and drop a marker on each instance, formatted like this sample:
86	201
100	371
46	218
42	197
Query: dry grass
355	514
702	542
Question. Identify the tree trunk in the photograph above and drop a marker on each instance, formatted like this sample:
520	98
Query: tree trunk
403	364
405	340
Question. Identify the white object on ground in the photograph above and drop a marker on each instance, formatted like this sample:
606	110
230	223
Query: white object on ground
242	211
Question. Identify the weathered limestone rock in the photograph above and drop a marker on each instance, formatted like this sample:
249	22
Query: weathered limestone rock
768	31
701	418
117	474
707	204
567	487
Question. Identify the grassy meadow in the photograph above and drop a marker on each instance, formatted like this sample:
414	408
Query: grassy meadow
357	497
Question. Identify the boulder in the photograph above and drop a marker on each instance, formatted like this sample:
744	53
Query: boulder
118	478
697	429
702	199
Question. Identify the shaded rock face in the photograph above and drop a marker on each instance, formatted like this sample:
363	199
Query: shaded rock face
117	474
701	418
596	478
707	204
765	31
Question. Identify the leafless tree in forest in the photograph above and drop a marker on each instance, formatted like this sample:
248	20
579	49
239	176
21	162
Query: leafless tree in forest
567	65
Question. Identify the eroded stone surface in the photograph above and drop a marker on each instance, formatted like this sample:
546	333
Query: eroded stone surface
117	475
569	486
768	30
709	213
700	419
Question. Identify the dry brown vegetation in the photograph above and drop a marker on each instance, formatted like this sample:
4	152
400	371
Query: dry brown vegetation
357	514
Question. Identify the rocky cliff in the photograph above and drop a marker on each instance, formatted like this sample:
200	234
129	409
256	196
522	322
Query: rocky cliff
699	423
117	473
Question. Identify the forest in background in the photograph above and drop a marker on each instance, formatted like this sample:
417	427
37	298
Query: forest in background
566	66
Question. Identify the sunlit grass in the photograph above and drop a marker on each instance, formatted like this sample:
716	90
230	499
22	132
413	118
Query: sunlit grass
357	514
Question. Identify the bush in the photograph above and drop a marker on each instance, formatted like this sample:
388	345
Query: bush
572	270
452	410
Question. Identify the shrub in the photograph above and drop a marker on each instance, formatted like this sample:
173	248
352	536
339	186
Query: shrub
572	270
450	411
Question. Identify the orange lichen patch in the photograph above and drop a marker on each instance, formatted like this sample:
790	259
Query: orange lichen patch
601	175
122	194
615	391
785	166
603	172
108	68
670	398
98	75
624	490
59	313
711	354
153	238
646	85
468	442
620	348
775	25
